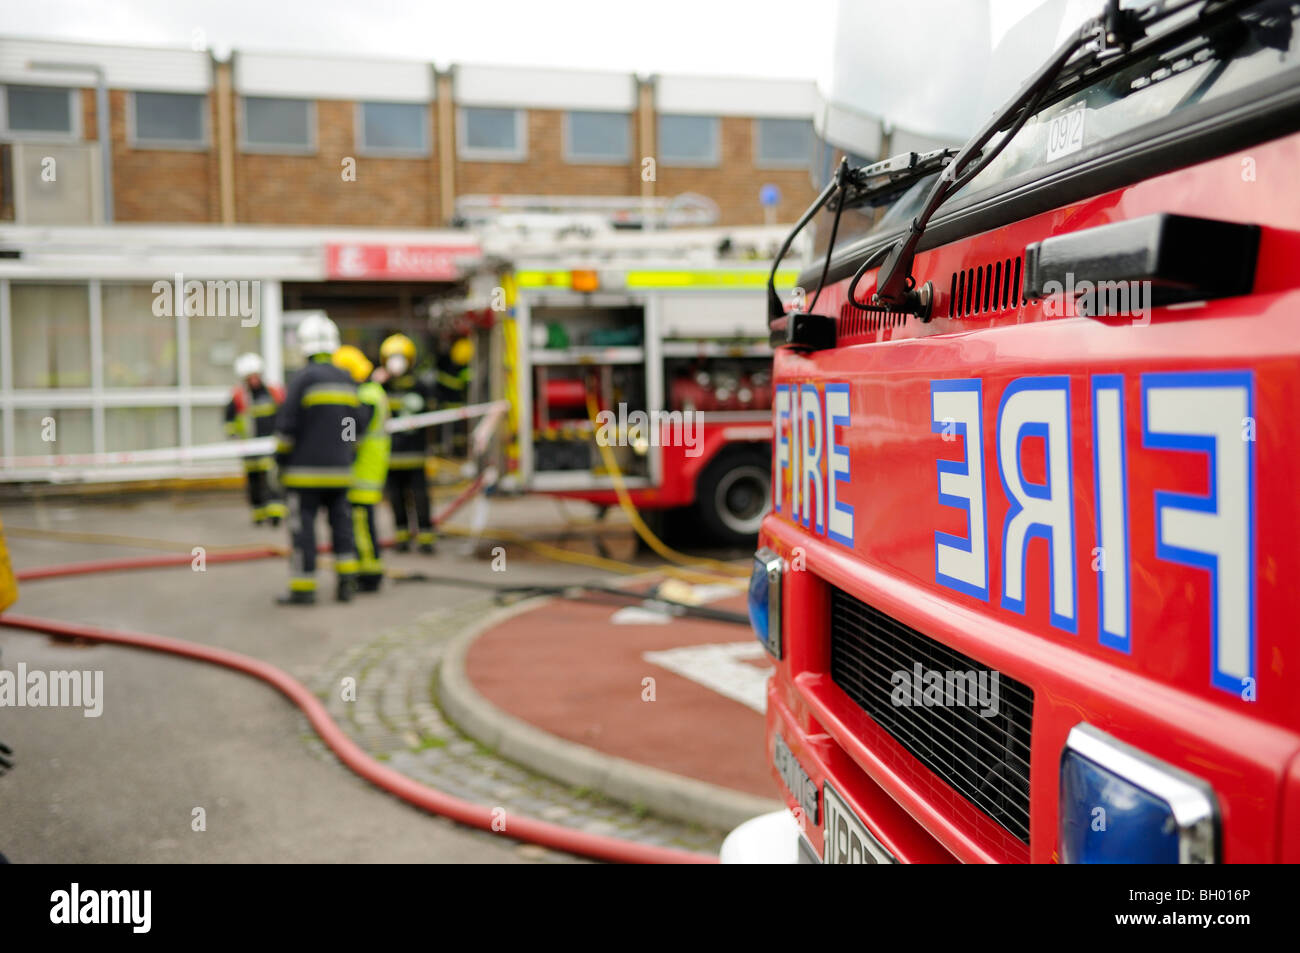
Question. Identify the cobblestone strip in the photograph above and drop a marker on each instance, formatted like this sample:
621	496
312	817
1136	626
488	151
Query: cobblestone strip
394	717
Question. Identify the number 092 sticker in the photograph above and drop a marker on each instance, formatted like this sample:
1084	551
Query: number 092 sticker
1065	133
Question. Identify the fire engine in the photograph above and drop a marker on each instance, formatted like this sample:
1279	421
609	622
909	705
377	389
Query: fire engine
1028	576
665	329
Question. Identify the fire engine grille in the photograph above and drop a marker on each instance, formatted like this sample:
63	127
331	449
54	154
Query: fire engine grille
983	758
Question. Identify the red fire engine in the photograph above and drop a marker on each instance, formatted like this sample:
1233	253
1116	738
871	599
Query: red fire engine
1029	574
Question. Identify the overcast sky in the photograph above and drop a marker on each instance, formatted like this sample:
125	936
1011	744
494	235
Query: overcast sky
733	37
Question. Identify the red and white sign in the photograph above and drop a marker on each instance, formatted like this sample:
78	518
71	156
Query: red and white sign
392	262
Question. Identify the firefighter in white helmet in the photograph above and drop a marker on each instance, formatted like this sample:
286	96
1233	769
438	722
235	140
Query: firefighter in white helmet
251	413
316	442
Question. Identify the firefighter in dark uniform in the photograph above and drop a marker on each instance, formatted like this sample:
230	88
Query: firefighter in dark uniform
251	413
316	442
453	391
408	485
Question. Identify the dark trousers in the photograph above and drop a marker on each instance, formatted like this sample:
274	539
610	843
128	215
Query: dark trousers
408	493
303	506
263	492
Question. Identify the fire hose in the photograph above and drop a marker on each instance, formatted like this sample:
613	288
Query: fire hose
352	755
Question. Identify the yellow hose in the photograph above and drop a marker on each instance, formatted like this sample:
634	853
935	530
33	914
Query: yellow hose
625	501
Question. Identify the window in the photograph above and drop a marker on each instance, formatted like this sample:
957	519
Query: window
141	428
50	328
394	128
783	142
492	134
168	119
215	342
41	110
41	431
279	125
139	346
596	137
688	140
207	425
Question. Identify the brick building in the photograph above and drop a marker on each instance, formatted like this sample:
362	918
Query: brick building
286	139
334	183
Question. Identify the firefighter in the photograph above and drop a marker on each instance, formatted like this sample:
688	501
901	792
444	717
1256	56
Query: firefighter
453	389
316	440
251	413
370	469
408	486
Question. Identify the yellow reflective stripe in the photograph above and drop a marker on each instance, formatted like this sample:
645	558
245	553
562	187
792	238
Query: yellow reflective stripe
544	279
276	509
325	479
425	537
711	278
256	464
345	567
264	410
340	398
302	585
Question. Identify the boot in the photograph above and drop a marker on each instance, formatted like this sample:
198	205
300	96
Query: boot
367	582
296	598
347	587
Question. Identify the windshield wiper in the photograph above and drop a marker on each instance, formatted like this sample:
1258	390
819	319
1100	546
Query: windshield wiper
884	181
868	186
1107	41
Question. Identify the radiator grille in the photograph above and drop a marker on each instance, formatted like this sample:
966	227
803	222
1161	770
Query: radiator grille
984	759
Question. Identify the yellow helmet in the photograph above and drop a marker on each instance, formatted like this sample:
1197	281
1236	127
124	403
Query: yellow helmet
397	344
462	352
354	362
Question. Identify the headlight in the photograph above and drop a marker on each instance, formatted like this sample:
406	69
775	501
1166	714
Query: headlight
765	600
1119	805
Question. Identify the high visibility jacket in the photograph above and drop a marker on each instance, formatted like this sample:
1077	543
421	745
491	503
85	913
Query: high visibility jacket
371	467
318	427
251	413
408	395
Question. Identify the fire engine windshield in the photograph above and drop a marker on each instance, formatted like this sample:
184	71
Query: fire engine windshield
1239	53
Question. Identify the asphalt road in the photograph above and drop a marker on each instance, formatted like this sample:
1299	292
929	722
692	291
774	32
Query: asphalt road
176	735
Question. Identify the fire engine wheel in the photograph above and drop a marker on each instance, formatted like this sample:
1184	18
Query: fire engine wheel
733	496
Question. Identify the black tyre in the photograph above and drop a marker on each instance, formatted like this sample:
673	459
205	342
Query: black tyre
733	495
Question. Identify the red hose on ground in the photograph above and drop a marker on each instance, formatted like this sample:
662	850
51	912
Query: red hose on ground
145	562
411	791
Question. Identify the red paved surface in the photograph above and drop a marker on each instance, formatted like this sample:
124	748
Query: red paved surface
567	669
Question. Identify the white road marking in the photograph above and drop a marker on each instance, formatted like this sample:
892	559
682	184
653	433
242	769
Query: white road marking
720	667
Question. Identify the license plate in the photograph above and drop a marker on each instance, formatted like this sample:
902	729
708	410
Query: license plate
847	840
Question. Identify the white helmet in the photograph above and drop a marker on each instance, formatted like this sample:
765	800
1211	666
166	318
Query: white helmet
246	365
317	334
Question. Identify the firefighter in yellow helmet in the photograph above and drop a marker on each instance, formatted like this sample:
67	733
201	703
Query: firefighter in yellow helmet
408	485
370	469
453	390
